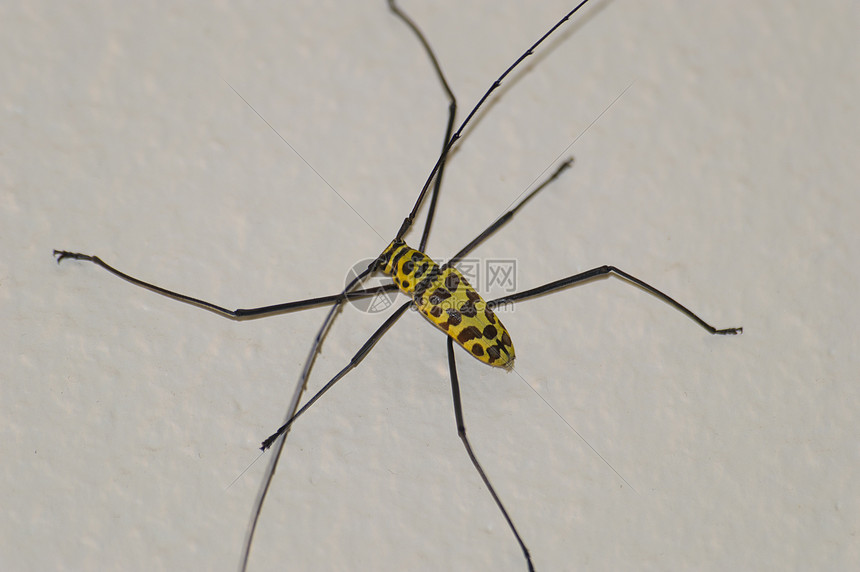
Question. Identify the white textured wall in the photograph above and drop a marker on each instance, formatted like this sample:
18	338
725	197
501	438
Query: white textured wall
726	175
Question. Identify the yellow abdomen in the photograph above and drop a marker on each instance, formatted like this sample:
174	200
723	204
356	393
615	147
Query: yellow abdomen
445	298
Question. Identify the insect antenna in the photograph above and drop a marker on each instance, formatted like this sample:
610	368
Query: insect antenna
407	222
452	114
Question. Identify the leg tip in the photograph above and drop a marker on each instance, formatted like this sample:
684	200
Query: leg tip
63	254
730	331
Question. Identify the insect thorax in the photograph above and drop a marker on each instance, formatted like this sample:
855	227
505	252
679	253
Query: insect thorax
446	298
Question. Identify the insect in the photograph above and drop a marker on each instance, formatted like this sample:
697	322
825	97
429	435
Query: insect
440	292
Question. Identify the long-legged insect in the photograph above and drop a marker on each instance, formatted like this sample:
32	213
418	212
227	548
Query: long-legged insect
440	293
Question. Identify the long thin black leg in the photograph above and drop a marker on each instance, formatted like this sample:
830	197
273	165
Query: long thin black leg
605	271
239	314
294	402
281	432
452	113
356	359
461	431
505	218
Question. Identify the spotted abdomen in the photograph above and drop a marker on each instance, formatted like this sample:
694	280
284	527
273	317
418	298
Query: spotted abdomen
445	298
